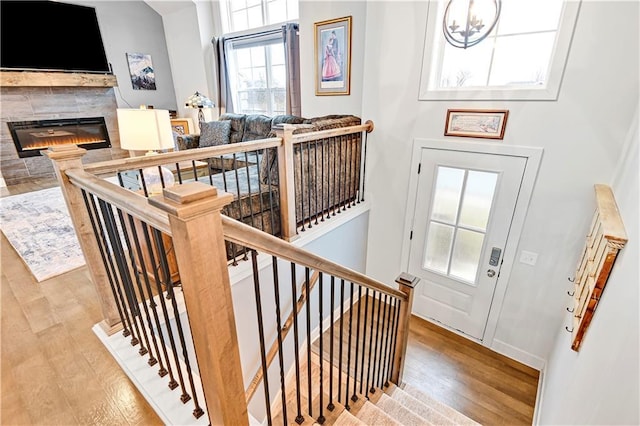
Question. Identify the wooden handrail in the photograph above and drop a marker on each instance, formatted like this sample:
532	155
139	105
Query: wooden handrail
239	233
132	163
324	134
128	201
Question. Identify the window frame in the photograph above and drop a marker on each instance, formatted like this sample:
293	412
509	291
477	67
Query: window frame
263	37
432	63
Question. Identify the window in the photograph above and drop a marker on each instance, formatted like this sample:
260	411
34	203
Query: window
460	210
255	53
523	57
258	76
241	15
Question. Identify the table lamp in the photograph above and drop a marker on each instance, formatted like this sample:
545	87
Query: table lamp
200	101
147	130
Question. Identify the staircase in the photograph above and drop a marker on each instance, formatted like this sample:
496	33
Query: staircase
391	406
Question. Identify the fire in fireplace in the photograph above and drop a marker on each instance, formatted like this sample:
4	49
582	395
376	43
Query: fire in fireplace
31	137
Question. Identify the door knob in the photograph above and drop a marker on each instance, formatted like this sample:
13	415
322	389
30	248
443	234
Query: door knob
491	273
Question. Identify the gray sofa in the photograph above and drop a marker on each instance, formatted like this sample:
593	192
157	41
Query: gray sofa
311	162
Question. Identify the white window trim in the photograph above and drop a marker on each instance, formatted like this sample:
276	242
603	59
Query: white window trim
434	44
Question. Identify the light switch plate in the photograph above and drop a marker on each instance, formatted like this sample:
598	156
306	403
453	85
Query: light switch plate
528	258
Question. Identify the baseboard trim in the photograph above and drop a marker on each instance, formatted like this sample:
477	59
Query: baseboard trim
539	397
519	355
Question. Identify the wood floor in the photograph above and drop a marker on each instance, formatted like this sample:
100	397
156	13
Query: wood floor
55	371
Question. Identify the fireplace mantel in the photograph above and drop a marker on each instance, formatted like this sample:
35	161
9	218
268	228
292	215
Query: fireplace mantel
55	79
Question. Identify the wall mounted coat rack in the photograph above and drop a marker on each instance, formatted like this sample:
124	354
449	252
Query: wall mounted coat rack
606	238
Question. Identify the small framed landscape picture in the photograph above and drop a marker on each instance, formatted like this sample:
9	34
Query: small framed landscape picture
181	126
476	123
333	56
141	70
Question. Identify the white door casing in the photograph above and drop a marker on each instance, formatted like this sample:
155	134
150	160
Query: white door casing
487	290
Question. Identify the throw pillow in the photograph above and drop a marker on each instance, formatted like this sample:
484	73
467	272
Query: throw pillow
215	133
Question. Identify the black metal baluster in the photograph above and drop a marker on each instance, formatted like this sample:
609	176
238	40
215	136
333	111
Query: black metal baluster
331	406
395	336
143	349
269	185
375	349
138	253
249	197
147	238
354	397
373	309
346	392
358	166
322	180
143	182
340	340
198	411
301	187
294	298
349	153
265	371
335	173
345	183
309	225
235	169
321	418
392	317
195	170
157	236
260	192
209	167
118	273
340	175
318	188
99	234
364	163
383	349
308	321
364	339
276	291
179	173
234	246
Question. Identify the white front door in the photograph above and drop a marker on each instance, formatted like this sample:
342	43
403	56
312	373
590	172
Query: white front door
464	207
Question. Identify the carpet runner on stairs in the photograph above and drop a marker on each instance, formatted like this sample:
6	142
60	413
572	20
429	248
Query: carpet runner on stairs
402	407
393	406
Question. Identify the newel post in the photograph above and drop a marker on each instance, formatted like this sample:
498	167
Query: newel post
66	157
407	283
196	230
286	182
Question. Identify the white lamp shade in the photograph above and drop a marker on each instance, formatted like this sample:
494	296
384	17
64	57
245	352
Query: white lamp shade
144	129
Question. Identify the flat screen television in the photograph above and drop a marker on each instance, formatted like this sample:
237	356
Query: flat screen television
50	36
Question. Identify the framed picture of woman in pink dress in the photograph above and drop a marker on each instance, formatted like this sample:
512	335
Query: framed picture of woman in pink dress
333	56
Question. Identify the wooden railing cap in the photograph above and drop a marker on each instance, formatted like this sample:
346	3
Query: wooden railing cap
65	152
191	200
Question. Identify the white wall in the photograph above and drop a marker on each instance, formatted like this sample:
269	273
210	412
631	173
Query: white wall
600	384
582	134
316	11
189	28
133	27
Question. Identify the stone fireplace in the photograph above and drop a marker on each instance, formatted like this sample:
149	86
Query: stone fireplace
51	97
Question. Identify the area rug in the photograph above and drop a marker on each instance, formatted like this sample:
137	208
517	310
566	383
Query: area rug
38	226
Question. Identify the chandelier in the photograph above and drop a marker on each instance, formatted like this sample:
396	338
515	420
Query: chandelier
468	22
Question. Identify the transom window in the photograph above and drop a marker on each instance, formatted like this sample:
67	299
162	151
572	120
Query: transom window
241	15
522	58
255	56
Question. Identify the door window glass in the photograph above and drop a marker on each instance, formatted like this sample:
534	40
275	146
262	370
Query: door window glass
461	206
